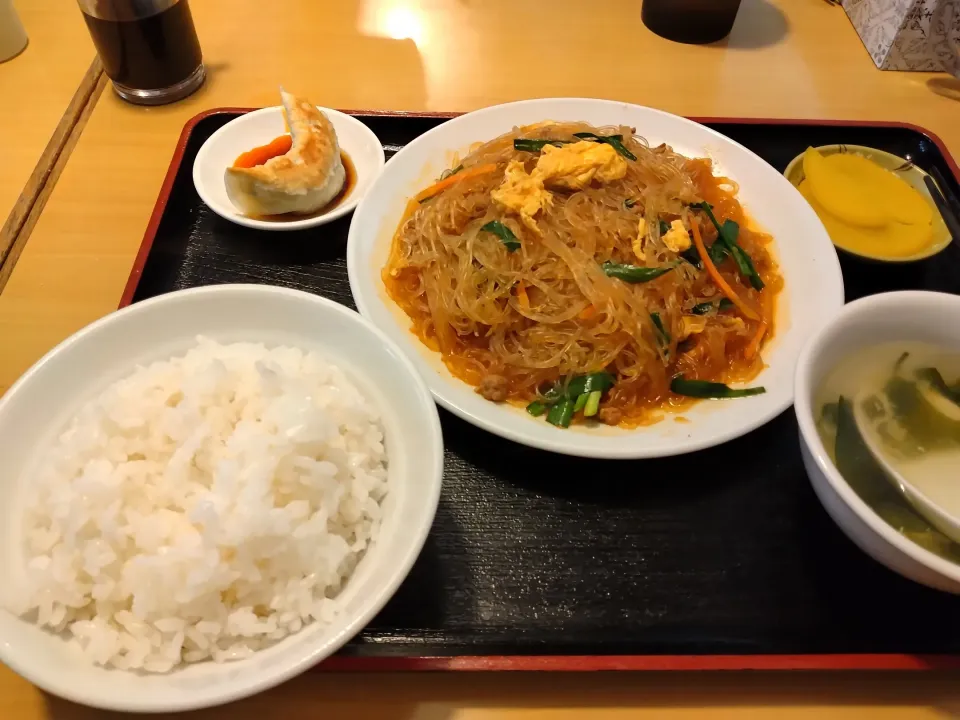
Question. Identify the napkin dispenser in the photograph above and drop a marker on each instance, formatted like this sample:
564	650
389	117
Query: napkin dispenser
908	34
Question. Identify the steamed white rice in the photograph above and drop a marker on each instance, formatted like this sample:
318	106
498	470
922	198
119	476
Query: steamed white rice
204	507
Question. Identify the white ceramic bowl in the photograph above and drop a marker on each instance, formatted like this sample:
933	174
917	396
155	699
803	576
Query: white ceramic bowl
259	127
35	409
901	316
814	285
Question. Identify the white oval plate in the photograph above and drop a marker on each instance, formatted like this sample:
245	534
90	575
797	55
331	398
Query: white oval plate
259	127
813	292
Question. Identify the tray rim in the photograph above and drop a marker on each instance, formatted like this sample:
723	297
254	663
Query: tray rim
576	663
133	279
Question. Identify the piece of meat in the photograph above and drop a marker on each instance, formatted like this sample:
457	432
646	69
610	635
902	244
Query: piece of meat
493	388
610	416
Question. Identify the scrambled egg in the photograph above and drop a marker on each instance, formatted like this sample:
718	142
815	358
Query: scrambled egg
691	325
522	193
574	166
638	242
677	238
571	167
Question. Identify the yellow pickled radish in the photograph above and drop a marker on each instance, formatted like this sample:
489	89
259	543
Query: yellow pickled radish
843	191
893	240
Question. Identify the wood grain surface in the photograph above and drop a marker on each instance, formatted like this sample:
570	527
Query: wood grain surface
43	90
785	58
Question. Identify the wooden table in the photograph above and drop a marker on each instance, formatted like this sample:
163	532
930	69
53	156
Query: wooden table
44	89
786	58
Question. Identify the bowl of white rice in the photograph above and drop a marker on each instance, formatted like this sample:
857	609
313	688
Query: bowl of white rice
207	493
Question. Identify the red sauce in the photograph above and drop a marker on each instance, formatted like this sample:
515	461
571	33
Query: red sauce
259	155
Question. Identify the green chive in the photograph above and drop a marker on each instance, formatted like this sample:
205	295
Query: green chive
634	273
530	145
706	389
509	240
447	173
705	308
614	141
658	323
727	236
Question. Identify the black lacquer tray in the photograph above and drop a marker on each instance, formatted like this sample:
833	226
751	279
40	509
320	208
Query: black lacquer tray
720	559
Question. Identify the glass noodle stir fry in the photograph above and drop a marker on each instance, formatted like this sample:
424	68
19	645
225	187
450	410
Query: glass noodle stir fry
577	271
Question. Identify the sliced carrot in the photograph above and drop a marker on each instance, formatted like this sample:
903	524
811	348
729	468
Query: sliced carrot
717	277
766	310
522	296
588	312
753	347
439	187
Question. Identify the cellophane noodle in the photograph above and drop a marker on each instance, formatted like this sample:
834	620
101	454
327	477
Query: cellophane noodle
548	311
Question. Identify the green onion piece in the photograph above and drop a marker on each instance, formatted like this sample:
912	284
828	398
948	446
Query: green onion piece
727	235
614	141
593	403
658	323
725	304
635	273
628	203
580	402
583	384
706	389
531	145
561	413
509	240
536	408
664	228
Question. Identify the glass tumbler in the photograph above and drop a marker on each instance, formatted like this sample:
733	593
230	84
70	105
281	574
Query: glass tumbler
149	48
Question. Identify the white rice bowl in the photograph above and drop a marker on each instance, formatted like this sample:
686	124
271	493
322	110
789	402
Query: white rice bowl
41	405
204	507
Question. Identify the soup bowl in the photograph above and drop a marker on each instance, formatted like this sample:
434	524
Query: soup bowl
924	317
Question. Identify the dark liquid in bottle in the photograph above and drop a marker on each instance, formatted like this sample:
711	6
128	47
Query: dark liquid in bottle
148	53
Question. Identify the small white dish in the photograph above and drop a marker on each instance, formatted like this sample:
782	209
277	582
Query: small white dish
38	405
808	261
874	320
258	128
